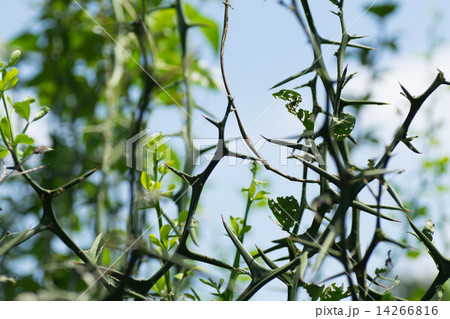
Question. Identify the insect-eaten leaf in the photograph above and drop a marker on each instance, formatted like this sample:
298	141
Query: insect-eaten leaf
330	293
293	99
286	210
341	127
307	118
314	290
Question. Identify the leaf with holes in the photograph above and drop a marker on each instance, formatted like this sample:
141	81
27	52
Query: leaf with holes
341	127
314	290
286	210
335	293
292	99
307	118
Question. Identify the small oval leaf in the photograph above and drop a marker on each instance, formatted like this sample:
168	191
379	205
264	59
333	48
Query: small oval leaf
41	113
14	58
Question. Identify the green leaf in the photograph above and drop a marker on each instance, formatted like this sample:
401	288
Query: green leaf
3	152
146	180
193	233
172	243
29	99
9	80
23	139
27	152
251	190
261	195
314	290
210	283
371	163
292	99
234	225
286	210
155	240
23	108
307	118
5	128
182	217
179	276
413	253
160	284
41	113
95	250
335	293
246	229
341	127
382	10
164	233
14	58
221	281
330	293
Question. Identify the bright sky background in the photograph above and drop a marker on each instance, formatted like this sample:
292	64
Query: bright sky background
266	45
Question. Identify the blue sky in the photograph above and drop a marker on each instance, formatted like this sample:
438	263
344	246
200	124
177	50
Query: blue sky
265	45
